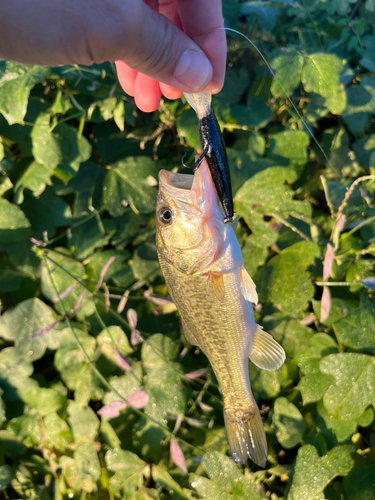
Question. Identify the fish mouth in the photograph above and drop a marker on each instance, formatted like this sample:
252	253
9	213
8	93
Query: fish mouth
174	181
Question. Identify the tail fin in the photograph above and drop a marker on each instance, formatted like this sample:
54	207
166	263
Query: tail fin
246	436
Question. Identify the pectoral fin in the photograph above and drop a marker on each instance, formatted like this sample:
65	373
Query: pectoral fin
248	287
218	287
266	353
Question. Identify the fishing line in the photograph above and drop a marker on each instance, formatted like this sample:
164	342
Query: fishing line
273	73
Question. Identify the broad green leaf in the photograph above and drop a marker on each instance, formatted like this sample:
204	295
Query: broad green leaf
83	470
288	65
320	74
187	127
284	280
145	264
5	476
165	480
129	471
90	235
357	329
57	432
14	226
113	262
354	389
289	147
125	385
255	115
83	422
31	324
313	473
60	282
46	213
119	115
128	183
288	422
26	429
360	484
267	190
264	384
16	81
34	177
163	381
315	383
226	480
15	373
61	149
45	401
361	105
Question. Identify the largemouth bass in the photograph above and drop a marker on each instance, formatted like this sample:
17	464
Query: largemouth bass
203	268
213	149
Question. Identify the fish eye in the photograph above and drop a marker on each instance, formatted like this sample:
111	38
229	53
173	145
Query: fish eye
165	215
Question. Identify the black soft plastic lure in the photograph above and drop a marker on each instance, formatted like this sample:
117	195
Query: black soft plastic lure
213	150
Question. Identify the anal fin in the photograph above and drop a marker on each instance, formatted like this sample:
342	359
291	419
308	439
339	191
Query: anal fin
266	353
248	287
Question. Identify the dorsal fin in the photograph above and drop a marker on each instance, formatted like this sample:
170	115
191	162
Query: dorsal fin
266	353
248	287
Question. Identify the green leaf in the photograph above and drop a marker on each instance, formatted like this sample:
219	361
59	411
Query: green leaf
131	182
83	470
14	225
57	432
360	484
321	73
15	371
129	471
5	476
284	280
16	81
255	115
187	127
288	422
119	115
312	473
91	234
163	382
145	264
288	65
61	150
354	389
45	401
32	326
360	106
288	147
34	177
268	192
165	480
226	480
357	329
46	213
264	384
83	422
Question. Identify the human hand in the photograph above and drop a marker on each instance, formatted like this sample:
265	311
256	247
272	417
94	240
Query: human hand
168	46
202	21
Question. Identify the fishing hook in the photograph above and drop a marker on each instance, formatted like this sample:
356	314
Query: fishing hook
199	161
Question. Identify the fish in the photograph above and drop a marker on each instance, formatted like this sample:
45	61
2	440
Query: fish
213	149
203	268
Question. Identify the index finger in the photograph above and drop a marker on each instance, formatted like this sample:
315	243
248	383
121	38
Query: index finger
202	21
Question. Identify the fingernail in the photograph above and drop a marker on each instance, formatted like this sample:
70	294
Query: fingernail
193	70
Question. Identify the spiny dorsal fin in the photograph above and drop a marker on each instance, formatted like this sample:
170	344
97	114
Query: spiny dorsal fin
266	353
248	287
217	281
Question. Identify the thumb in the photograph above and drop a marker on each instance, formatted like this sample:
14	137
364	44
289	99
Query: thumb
156	47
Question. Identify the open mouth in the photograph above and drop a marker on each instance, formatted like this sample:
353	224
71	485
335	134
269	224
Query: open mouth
175	181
